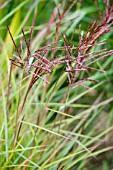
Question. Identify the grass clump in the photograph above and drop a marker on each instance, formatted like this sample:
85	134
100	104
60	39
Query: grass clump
56	85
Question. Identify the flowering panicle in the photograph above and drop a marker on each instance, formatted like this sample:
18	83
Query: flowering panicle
76	60
83	61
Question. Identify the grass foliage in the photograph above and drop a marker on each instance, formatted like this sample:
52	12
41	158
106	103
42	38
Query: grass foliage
60	124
